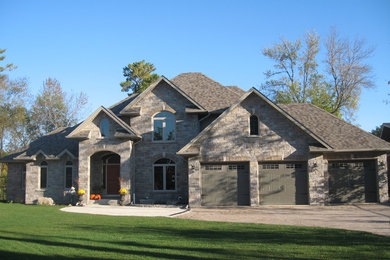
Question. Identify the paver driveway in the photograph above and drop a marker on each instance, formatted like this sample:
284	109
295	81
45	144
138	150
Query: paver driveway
373	218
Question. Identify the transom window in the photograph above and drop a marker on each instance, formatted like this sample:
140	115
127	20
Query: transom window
68	174
43	177
254	125
164	171
104	127
164	126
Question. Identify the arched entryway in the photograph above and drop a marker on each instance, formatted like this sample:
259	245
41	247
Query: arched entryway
105	173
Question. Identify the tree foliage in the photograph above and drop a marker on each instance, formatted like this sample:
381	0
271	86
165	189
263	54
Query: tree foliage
13	94
377	131
53	108
296	77
139	75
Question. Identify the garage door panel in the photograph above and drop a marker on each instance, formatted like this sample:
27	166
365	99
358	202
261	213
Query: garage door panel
225	185
283	183
352	182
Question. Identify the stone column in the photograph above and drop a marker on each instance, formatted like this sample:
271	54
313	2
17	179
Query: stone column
254	182
125	170
381	169
194	182
84	170
317	182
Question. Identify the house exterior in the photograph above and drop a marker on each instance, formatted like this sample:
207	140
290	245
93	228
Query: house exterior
192	140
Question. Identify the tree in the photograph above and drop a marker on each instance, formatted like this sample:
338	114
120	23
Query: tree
13	95
347	71
296	67
138	76
377	131
296	79
53	108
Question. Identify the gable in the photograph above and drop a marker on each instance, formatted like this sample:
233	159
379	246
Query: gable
129	108
90	128
228	137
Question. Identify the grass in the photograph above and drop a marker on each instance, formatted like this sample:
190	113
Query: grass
44	232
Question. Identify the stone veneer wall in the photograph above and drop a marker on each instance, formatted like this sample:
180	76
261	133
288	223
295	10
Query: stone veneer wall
382	175
87	148
55	179
318	185
146	152
229	140
15	184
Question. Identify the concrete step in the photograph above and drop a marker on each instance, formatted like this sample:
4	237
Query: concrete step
112	202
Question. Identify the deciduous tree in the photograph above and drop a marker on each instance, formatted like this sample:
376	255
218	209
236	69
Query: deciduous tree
53	108
13	95
296	77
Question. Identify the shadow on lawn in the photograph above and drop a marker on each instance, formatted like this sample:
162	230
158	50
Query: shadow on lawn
262	240
261	234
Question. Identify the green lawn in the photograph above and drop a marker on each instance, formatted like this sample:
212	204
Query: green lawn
44	232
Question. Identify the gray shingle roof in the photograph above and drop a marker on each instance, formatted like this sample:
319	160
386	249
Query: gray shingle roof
208	93
339	134
51	144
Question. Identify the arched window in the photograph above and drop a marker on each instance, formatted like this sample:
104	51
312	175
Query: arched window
164	171
68	174
254	125
104	131
43	177
164	126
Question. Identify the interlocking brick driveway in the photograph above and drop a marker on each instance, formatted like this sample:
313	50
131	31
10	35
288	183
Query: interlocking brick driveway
372	218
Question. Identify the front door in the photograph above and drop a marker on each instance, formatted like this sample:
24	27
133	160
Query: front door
113	175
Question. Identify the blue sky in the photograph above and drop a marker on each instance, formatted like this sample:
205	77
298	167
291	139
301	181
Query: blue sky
85	44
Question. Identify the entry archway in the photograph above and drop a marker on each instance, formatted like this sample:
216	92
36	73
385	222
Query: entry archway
105	173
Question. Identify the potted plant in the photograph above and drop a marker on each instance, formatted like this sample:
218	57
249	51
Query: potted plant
81	193
123	193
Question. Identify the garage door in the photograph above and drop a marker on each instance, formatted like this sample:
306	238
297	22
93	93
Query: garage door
352	182
283	183
225	184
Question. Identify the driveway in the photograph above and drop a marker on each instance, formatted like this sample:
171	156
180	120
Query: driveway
372	218
126	210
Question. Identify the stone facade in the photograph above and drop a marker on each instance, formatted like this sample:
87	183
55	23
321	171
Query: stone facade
147	151
16	182
381	168
55	179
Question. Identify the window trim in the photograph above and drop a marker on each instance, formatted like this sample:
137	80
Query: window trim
43	166
258	126
174	127
66	167
164	176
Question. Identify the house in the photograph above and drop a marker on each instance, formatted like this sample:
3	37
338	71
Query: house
193	140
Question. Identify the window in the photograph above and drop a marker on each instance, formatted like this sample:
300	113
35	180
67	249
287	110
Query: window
68	174
43	178
254	125
164	175
104	131
236	167
213	167
164	126
293	166
271	166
